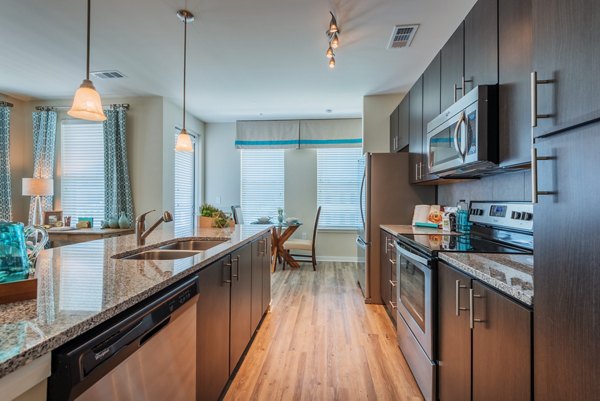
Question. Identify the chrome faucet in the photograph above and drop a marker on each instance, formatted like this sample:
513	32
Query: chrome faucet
140	226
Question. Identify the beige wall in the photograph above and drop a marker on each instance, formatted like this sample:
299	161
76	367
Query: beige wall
21	155
376	121
222	166
222	188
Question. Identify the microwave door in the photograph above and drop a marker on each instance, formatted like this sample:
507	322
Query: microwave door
444	145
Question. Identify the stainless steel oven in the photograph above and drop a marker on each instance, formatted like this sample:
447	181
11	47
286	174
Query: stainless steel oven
463	140
415	321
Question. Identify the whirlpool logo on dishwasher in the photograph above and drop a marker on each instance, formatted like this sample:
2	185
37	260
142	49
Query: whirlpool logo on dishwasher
101	354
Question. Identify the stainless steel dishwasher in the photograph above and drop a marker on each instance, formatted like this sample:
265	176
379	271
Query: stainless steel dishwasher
146	353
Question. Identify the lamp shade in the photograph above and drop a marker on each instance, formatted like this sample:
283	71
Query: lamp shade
184	142
87	104
38	187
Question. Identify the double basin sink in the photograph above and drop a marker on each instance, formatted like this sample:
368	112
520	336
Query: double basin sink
175	250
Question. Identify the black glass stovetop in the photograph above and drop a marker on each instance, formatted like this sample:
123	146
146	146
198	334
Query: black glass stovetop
433	243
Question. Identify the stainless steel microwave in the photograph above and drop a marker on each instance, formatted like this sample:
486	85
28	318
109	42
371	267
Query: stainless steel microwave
463	140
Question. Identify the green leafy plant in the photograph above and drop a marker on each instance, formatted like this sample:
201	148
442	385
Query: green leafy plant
220	219
208	210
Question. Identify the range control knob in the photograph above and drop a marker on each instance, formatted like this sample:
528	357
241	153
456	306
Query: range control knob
480	212
527	216
516	215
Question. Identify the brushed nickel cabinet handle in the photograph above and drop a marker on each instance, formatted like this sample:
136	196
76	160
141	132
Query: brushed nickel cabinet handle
416	171
393	305
393	283
392	261
534	95
229	264
535	193
472	319
457	289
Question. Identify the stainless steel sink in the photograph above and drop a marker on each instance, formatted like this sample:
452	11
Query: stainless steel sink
161	254
193	245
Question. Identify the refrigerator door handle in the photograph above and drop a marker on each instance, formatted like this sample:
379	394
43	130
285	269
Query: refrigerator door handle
362	191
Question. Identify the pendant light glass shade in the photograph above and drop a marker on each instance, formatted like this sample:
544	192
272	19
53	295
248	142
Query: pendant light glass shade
335	41
87	104
329	52
184	142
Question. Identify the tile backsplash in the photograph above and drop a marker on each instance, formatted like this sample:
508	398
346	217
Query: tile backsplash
503	187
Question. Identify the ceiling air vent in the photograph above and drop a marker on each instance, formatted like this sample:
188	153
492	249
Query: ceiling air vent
402	36
107	74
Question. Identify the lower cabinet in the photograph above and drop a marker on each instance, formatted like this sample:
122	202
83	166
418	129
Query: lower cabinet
388	274
230	307
485	342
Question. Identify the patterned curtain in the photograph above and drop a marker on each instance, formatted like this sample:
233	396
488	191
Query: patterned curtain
118	196
5	193
44	139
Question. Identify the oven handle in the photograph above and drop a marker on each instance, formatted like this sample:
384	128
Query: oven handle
411	256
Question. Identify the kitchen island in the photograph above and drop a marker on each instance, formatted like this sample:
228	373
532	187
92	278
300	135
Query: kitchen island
81	286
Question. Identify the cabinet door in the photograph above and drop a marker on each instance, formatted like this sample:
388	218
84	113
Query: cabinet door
241	300
567	51
454	372
213	330
481	44
515	56
431	108
501	347
567	277
415	127
385	275
258	247
266	287
394	130
403	122
452	67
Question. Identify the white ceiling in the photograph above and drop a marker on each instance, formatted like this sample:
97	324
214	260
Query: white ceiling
246	59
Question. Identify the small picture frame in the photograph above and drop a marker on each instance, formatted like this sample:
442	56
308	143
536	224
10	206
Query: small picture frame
52	217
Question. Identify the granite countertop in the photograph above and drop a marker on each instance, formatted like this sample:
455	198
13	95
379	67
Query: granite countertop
509	273
81	286
396	230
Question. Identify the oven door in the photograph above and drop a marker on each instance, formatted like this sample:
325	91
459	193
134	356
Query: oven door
415	296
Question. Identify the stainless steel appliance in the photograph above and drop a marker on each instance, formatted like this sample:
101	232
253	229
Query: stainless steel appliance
386	197
463	140
498	227
146	353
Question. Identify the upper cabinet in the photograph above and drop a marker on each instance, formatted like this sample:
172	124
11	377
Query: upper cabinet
415	126
566	56
452	68
394	130
481	45
431	109
515	55
399	126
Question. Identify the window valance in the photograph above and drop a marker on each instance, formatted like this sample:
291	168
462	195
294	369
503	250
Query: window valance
346	133
283	134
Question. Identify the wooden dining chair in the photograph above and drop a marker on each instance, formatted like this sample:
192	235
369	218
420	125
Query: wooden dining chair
306	245
238	216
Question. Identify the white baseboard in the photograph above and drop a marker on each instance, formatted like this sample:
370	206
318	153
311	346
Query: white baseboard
351	259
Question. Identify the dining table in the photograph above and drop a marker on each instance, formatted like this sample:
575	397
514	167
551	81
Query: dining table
279	235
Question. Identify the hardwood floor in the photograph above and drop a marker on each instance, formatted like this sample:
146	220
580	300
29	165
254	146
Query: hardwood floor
321	342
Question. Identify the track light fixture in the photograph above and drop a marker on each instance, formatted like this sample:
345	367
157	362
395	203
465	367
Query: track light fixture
333	38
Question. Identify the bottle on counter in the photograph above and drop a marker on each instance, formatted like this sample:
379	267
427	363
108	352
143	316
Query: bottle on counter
462	217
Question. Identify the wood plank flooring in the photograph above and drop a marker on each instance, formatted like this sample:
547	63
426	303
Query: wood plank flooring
321	342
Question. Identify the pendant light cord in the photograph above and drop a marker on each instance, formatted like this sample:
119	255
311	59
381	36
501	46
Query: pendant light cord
184	62
87	67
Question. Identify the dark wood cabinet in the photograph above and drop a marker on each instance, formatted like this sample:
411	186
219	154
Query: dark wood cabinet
481	45
213	330
515	57
452	68
403	122
431	109
501	347
266	276
454	346
257	283
394	129
487	358
387	275
567	277
241	302
567	52
415	126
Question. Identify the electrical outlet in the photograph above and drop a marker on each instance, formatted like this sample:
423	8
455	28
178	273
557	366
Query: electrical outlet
303	235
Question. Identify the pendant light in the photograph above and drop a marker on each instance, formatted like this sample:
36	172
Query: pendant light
86	103
184	141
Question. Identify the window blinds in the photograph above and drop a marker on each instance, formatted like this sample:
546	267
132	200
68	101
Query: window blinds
185	190
262	178
82	165
338	187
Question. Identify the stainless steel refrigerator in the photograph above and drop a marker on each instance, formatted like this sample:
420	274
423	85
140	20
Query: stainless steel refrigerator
386	197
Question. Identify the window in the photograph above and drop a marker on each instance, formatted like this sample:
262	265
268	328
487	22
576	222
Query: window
339	177
82	175
185	191
263	185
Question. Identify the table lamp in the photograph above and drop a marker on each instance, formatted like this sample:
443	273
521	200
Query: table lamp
38	187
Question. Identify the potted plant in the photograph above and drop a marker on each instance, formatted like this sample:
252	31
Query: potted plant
211	216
